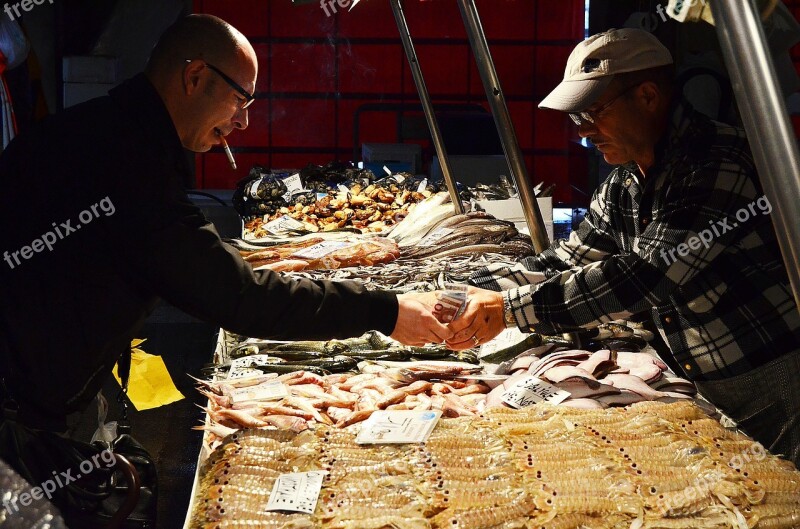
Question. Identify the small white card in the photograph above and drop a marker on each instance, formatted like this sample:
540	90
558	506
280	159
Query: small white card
322	249
243	367
267	391
530	391
398	427
296	492
293	185
433	238
283	225
505	339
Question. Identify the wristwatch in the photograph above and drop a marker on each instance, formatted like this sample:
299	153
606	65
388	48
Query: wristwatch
508	314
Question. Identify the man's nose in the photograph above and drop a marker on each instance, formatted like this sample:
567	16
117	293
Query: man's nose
586	129
241	119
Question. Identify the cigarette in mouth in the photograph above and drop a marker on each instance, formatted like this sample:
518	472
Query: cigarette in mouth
228	152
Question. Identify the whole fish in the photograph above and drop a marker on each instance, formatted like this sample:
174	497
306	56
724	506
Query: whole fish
530	341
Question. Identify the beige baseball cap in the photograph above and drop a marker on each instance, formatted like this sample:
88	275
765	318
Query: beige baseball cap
594	62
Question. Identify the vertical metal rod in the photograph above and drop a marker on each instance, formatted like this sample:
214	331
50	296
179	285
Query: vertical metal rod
766	120
497	102
427	106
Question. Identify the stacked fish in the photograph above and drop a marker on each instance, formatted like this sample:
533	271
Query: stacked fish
652	465
598	380
433	230
341	399
310	254
412	275
324	358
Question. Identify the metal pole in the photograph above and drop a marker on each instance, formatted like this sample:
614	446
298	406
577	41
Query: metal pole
502	118
427	106
766	120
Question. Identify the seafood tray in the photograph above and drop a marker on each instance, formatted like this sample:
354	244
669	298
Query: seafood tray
651	465
219	352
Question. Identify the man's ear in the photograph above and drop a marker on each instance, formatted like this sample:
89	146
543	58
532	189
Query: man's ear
191	76
649	95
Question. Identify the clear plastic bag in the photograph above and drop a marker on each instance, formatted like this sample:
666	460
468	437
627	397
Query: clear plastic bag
14	44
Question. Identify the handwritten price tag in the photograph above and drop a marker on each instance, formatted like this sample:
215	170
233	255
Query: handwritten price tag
283	225
296	492
398	427
530	391
434	237
293	184
269	391
322	249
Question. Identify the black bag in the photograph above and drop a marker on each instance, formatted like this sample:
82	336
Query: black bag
96	485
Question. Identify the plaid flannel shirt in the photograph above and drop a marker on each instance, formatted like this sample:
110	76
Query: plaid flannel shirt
672	244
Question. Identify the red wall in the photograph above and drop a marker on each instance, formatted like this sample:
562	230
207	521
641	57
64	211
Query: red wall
794	7
316	70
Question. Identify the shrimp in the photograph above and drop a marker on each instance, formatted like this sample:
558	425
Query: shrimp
513	514
383	522
589	504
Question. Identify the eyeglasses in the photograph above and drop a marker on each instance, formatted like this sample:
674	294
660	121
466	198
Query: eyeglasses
248	97
590	116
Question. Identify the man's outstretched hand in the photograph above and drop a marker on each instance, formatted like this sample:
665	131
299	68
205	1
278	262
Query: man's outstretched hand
481	321
416	324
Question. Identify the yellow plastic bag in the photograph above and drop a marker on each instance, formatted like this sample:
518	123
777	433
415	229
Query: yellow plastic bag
150	385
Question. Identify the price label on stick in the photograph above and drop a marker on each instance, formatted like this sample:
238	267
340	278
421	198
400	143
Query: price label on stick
283	225
296	492
322	249
433	238
269	391
293	184
532	390
398	427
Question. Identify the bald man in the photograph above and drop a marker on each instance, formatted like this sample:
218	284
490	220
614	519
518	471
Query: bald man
95	227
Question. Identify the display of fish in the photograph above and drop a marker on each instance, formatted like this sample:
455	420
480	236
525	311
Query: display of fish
649	465
612	378
345	253
371	346
434	230
345	399
417	275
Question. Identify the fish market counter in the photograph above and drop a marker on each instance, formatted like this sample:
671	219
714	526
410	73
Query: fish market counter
534	431
566	459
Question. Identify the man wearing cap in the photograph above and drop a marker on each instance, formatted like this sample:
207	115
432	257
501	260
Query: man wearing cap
680	228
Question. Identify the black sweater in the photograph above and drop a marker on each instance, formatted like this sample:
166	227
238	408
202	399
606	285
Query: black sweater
101	184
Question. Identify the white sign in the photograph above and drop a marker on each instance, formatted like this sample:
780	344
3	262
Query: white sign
433	238
398	427
296	492
322	249
245	367
530	391
293	185
283	225
504	340
268	391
